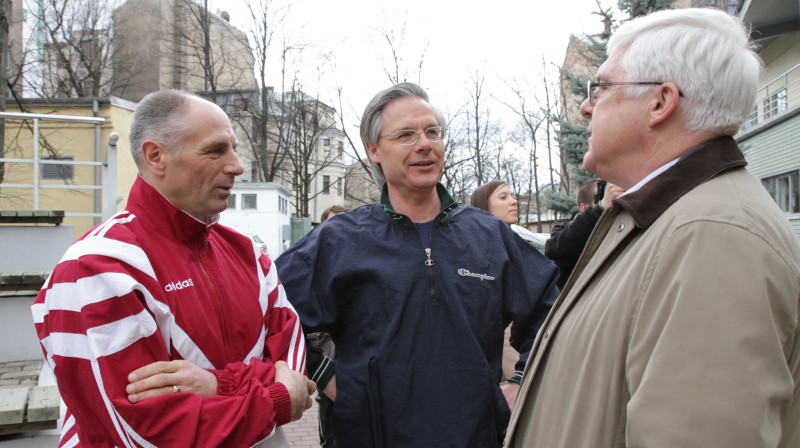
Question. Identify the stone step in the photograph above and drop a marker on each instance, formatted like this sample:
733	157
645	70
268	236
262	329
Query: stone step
12	405
24	405
43	404
32	216
22	280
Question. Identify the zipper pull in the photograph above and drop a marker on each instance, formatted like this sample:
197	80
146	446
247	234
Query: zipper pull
429	261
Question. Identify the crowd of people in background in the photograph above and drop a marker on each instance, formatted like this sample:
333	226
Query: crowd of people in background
678	324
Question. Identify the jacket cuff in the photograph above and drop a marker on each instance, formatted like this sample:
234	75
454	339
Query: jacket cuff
281	402
516	378
323	372
225	383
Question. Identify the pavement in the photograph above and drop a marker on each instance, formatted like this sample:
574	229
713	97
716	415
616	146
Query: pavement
303	433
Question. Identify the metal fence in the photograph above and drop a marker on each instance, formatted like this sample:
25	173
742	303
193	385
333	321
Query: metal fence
775	98
105	179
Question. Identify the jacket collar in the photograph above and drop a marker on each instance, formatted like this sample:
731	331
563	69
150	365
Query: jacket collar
160	215
693	168
448	204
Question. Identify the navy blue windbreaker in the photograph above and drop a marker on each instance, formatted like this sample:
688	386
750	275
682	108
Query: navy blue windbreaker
418	345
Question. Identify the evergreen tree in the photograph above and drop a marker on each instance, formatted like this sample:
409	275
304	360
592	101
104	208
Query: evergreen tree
637	8
573	137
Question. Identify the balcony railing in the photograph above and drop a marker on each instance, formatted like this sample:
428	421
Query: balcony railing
776	98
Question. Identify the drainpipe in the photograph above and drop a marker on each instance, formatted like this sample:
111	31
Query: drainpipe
98	207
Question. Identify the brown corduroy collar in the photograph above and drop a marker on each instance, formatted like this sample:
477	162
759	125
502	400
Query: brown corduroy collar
695	167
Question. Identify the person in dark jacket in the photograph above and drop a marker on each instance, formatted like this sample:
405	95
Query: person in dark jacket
415	291
567	240
321	343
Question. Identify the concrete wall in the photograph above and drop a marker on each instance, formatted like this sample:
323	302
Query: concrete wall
18	339
26	248
29	248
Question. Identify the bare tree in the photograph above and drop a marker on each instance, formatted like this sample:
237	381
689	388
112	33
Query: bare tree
549	109
5	13
258	119
397	70
215	54
306	120
77	50
483	134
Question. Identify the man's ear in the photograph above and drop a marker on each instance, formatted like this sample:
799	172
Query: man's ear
664	103
372	151
153	157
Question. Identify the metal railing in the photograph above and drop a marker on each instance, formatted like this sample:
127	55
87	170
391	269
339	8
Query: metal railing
106	185
775	98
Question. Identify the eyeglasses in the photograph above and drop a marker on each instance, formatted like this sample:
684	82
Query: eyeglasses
409	137
591	87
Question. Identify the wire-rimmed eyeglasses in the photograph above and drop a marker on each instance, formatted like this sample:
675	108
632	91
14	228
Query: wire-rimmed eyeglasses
434	134
592	87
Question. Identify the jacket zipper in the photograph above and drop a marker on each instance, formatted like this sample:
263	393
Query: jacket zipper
215	297
429	264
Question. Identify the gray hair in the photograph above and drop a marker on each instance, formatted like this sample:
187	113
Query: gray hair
705	52
159	116
371	122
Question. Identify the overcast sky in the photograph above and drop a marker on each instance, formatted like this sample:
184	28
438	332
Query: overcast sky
504	40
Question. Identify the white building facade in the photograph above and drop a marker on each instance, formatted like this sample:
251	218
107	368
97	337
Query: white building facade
260	209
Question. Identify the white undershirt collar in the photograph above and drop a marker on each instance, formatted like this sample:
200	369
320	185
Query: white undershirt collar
650	176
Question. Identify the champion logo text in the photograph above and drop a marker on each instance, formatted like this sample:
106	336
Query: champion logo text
466	273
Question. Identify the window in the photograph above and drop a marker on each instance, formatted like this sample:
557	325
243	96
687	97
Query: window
232	202
326	184
249	202
785	189
775	103
341	148
326	142
283	205
52	171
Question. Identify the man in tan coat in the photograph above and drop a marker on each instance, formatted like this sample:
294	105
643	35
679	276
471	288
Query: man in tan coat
679	326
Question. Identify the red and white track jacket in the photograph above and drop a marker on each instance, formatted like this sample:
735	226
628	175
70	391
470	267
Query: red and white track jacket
154	284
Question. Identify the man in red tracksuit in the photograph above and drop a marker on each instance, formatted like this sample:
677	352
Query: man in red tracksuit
164	328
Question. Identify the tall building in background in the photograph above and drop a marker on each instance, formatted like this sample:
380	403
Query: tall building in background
177	44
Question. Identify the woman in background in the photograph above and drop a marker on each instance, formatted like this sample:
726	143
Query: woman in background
497	198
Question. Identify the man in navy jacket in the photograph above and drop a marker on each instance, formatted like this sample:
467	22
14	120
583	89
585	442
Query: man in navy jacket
416	291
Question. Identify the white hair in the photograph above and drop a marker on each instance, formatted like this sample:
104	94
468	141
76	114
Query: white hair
705	52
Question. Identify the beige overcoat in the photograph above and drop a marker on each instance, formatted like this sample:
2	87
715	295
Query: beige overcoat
679	325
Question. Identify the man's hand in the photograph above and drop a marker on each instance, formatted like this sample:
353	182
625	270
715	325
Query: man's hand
510	391
330	389
612	192
162	377
300	388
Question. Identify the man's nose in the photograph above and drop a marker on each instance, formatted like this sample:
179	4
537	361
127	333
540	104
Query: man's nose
586	108
233	165
423	142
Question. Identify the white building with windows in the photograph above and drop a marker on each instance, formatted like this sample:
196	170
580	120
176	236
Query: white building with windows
260	209
770	139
